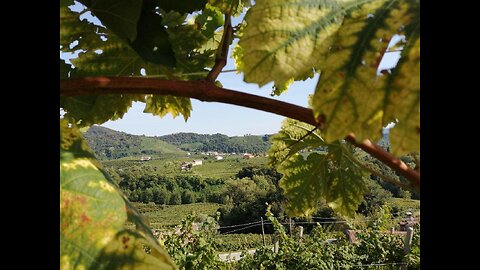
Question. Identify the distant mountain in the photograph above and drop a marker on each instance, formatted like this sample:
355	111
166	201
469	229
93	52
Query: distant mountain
111	144
194	142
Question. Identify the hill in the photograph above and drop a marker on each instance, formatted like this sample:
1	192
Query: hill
111	144
194	142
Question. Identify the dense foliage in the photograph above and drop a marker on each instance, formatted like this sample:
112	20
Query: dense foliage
145	184
219	143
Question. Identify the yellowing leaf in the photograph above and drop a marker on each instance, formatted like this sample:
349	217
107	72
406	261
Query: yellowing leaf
93	214
404	102
350	95
284	38
162	105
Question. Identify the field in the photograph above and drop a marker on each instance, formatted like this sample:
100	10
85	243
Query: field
167	216
404	205
170	165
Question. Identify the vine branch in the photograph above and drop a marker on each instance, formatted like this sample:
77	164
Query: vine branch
384	177
207	91
222	55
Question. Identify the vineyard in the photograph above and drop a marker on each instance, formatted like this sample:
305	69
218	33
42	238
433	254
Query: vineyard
373	249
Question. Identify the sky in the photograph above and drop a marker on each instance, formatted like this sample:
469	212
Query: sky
231	120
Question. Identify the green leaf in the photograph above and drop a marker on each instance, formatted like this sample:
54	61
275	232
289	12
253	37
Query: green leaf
181	6
233	7
66	3
71	29
283	38
152	42
93	215
188	41
64	69
89	110
404	100
303	183
162	105
119	16
331	176
209	21
350	95
294	137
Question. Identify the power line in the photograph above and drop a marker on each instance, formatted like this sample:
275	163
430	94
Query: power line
238	225
242	228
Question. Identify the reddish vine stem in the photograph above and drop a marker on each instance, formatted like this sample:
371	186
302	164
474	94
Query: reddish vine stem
222	55
207	91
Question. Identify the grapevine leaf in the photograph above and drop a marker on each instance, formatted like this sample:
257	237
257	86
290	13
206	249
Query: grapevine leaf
237	55
152	42
161	105
295	136
209	21
303	183
322	176
283	38
71	29
89	110
181	6
350	95
119	16
66	3
101	52
346	185
233	7
93	215
332	176
404	101
64	69
187	41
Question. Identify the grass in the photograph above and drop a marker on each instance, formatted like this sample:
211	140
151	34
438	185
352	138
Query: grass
227	243
405	205
169	165
228	167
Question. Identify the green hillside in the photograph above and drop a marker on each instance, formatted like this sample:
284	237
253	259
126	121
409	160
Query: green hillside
111	144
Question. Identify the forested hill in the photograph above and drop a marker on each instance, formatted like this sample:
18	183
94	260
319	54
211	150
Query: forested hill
219	142
111	144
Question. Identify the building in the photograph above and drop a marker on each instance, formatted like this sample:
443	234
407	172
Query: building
218	157
247	156
197	162
145	158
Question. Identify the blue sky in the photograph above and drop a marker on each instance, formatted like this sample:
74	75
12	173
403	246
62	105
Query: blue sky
210	118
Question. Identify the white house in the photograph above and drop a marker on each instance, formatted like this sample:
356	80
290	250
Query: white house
145	158
197	162
218	157
247	155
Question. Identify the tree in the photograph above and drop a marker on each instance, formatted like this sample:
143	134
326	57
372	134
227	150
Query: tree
280	41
